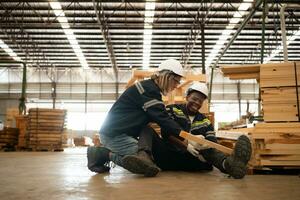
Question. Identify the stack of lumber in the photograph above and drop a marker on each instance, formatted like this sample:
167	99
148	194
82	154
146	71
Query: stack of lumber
10	116
83	141
8	138
277	141
45	128
277	144
280	91
21	124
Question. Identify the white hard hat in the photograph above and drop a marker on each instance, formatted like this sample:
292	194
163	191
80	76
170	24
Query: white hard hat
200	87
172	65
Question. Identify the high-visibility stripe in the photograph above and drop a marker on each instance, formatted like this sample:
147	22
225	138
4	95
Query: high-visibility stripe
200	124
140	88
151	103
178	111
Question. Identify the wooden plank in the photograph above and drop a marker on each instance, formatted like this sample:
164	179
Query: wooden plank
283	146
192	137
142	73
279	163
293	127
240	69
244	76
278	151
47	110
280	157
282	141
195	77
263	135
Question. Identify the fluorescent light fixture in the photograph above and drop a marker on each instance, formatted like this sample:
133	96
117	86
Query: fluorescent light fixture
55	5
244	6
237	17
9	51
149	13
279	48
61	18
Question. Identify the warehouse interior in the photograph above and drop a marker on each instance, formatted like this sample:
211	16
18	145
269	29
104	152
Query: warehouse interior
64	63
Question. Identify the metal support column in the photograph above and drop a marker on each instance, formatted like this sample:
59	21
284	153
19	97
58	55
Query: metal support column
203	48
239	98
283	33
262	52
22	105
238	31
53	93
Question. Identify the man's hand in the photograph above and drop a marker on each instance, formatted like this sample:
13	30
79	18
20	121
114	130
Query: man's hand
197	146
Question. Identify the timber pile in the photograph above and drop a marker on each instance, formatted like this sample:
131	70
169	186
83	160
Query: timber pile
277	141
45	128
8	138
277	144
21	124
10	116
280	91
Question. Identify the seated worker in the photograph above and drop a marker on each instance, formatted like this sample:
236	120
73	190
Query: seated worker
168	156
136	107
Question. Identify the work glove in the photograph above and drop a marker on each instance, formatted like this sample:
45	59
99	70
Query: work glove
192	150
197	146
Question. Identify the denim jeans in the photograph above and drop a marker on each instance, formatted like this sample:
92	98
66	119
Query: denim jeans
120	146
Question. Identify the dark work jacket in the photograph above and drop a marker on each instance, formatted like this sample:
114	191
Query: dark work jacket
136	107
199	126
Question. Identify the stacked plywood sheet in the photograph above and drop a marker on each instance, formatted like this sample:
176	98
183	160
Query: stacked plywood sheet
277	144
45	127
8	138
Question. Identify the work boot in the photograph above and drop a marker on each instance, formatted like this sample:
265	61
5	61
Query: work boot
98	159
236	163
140	164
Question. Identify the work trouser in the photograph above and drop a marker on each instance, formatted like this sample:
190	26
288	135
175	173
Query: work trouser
168	157
214	156
120	146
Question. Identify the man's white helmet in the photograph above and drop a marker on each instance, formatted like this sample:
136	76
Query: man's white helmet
200	87
172	65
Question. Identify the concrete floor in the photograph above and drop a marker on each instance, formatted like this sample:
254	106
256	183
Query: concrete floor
63	175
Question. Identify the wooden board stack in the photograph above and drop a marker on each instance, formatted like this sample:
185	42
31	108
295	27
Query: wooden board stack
276	142
11	113
280	88
45	128
8	138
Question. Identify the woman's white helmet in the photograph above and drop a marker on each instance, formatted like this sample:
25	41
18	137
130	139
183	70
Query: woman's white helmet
198	86
172	65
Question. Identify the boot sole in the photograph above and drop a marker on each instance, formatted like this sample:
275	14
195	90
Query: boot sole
238	169
138	166
100	170
243	149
